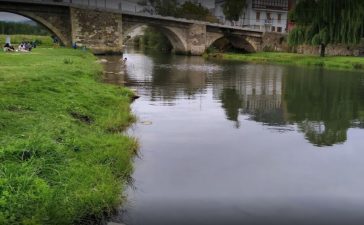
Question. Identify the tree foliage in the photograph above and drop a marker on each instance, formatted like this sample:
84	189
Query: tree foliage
153	39
187	10
21	28
194	11
233	9
321	22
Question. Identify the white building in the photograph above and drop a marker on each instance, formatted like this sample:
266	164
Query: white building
267	15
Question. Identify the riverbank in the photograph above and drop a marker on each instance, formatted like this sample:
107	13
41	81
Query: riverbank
333	62
62	157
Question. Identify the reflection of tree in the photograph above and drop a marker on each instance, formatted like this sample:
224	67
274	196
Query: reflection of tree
231	102
324	103
326	136
273	117
255	91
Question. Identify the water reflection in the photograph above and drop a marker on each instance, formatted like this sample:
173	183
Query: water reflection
235	143
324	104
253	90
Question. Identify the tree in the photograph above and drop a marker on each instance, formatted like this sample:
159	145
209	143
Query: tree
233	9
22	28
193	11
188	10
323	22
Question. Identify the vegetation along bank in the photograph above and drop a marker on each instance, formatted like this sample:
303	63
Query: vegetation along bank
63	159
333	62
330	62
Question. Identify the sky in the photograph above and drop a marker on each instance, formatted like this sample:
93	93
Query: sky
11	17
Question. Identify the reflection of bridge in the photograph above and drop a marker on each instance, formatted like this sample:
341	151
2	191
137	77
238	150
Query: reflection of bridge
102	29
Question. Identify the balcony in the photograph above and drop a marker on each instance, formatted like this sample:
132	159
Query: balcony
280	5
268	22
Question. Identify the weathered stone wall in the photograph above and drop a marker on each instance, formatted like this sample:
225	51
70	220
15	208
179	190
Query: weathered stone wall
274	42
331	50
255	43
99	31
197	39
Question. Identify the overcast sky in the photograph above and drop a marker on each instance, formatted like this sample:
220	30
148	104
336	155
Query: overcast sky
11	17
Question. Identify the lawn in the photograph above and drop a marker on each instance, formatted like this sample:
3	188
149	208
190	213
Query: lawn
63	158
334	62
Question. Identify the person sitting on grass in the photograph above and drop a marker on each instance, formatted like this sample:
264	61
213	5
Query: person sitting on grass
8	48
23	47
28	46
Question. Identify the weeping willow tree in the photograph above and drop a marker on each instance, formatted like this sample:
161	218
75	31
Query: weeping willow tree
323	22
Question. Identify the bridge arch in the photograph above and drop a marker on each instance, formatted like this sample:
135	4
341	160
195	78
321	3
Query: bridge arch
174	35
42	21
223	41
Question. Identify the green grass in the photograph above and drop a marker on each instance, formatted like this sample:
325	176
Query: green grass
63	159
44	41
334	62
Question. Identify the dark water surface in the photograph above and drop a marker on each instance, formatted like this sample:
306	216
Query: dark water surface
235	143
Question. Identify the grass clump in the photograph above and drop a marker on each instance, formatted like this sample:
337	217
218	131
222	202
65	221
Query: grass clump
67	61
60	162
334	62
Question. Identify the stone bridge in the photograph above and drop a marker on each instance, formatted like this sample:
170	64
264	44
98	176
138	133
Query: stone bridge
102	30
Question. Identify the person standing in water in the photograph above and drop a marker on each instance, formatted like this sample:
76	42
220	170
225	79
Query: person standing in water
124	62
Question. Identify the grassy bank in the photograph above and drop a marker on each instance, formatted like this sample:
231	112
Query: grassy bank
334	62
44	41
62	157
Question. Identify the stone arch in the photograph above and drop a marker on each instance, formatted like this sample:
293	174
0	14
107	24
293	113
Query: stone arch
177	40
45	23
174	35
245	43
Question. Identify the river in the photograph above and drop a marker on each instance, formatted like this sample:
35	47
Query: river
237	143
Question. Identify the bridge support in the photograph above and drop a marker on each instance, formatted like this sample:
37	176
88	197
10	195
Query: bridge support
196	39
99	31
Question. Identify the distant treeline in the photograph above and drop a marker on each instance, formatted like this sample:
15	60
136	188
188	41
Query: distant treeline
22	28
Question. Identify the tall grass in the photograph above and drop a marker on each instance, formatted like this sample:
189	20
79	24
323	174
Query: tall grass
61	159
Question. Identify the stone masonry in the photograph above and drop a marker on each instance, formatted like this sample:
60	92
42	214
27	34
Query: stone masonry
99	31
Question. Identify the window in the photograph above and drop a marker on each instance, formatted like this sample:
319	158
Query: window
269	16
279	29
258	16
273	28
279	17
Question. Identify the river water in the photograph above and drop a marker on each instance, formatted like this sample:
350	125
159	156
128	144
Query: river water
236	143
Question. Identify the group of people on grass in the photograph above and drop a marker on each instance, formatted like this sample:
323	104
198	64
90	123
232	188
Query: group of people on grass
25	46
